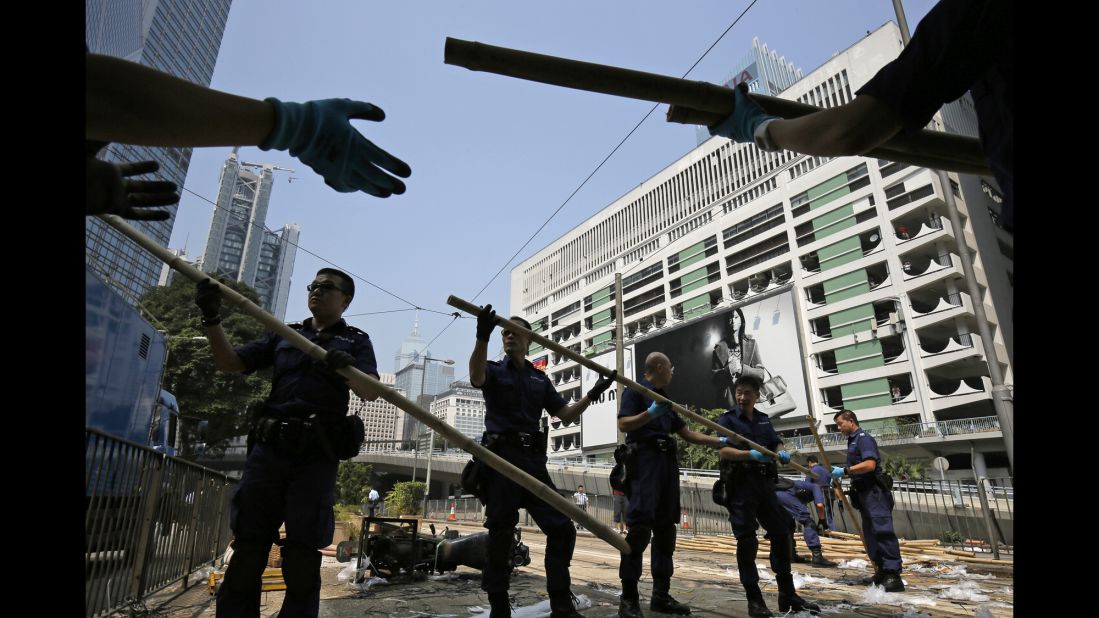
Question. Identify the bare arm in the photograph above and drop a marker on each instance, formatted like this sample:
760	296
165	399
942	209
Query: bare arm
867	465
477	361
133	104
568	414
225	357
633	423
849	129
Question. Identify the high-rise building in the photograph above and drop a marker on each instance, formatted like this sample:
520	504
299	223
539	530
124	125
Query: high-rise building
410	379
240	246
380	418
844	272
411	347
764	71
462	407
179	37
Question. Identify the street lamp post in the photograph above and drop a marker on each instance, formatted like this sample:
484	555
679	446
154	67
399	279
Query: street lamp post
423	380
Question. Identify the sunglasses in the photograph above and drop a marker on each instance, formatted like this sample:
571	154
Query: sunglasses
323	287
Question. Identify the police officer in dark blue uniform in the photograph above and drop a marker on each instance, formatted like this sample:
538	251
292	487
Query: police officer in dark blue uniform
793	495
652	487
749	479
290	474
823	479
515	395
873	499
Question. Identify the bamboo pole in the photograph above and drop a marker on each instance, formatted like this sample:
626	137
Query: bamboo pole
528	482
838	490
472	309
697	102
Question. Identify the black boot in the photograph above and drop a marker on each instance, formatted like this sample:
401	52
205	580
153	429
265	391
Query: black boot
663	602
756	607
892	582
819	559
788	598
874	580
500	604
629	608
563	606
630	604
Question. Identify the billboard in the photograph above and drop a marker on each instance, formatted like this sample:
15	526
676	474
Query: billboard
759	338
599	423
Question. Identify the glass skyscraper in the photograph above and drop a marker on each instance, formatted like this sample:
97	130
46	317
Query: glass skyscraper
180	37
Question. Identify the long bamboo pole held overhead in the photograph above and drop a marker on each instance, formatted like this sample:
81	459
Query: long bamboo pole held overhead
528	482
698	102
473	309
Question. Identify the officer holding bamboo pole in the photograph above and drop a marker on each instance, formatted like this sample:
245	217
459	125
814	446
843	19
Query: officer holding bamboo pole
515	395
749	478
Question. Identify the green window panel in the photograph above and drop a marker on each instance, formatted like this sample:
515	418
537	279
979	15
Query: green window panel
866	394
853	320
602	297
843	212
846	286
843	282
600	338
692	254
843	252
862	355
696	305
535	348
693	280
825	187
602	318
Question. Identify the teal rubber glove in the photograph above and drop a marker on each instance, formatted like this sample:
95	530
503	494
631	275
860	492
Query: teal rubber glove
320	135
747	115
658	409
837	473
758	457
784	457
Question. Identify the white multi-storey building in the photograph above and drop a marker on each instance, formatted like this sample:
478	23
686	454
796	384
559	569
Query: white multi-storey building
380	417
885	323
462	407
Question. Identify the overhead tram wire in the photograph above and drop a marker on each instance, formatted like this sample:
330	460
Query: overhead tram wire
607	158
411	304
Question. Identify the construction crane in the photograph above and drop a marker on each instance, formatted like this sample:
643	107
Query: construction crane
266	166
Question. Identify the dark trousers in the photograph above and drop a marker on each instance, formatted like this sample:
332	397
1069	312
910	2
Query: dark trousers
503	501
277	489
651	512
876	508
800	514
753	497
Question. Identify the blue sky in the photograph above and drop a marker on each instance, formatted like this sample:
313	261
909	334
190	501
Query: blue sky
492	157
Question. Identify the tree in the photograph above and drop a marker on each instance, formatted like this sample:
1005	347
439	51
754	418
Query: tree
901	469
697	455
353	482
405	498
204	393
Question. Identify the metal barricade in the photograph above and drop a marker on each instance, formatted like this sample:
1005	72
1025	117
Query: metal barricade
150	520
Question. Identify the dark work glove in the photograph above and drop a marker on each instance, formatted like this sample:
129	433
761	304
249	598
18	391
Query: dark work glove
208	299
601	386
336	359
486	321
109	191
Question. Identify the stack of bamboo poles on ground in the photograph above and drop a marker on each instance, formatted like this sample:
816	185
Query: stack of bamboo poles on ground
843	546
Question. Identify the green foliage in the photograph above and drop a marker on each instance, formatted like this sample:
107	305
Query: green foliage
405	498
901	469
353	483
951	537
697	455
204	393
350	514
